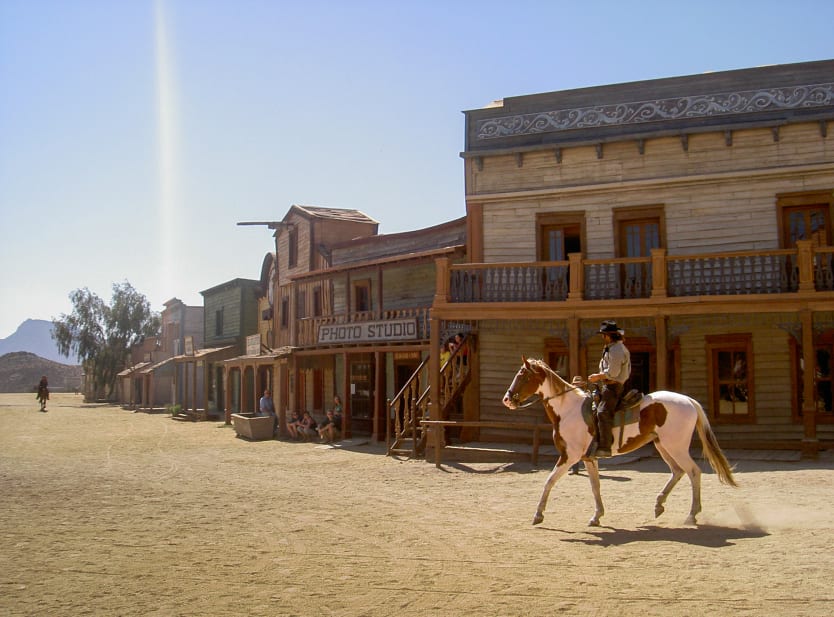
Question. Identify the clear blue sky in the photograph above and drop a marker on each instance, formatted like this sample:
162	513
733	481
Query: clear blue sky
135	134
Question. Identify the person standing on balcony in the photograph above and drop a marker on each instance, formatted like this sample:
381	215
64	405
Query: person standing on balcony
614	371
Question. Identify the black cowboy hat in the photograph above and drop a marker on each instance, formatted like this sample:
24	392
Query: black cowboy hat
610	327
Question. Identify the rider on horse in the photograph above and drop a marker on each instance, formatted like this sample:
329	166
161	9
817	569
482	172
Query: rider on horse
614	371
43	392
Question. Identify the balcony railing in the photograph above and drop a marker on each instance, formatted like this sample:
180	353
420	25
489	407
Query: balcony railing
805	268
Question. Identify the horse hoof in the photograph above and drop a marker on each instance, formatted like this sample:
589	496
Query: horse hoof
538	519
690	520
658	510
594	522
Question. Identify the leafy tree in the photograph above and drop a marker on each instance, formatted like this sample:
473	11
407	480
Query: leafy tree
102	335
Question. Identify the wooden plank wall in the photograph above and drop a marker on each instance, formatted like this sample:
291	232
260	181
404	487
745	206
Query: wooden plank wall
501	348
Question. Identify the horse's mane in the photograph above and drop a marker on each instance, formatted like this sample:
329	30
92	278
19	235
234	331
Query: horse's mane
538	363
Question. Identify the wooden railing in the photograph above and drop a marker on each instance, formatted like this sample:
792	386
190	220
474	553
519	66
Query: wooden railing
805	268
409	409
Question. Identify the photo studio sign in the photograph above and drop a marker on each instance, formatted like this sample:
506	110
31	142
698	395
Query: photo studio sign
369	332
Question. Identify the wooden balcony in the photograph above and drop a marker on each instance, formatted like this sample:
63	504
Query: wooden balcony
805	269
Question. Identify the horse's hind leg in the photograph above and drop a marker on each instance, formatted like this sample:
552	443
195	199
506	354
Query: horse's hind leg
677	474
683	463
593	475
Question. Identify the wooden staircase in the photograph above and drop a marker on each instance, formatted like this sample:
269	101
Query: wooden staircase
405	435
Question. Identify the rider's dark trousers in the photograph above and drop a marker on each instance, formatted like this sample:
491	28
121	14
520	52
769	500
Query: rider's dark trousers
609	397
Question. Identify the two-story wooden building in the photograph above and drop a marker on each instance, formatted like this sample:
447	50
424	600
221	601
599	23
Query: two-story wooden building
696	211
349	311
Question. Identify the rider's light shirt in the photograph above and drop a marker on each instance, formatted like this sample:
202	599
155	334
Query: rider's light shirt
616	362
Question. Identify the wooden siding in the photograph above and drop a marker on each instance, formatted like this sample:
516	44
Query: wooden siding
408	286
663	157
501	347
715	214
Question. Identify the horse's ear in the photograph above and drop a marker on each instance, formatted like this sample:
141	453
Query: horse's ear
524	361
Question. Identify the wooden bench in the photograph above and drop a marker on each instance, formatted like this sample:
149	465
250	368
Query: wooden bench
440	424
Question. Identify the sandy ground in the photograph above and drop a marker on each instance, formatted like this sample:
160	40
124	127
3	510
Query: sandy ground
108	512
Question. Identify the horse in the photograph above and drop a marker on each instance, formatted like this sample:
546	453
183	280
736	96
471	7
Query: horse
668	419
43	396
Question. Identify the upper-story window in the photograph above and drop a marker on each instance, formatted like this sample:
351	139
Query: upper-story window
559	236
301	304
638	230
805	216
292	246
218	322
362	296
285	313
317	302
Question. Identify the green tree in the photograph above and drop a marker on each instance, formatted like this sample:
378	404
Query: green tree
102	335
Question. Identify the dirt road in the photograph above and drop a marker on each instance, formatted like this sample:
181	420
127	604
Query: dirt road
108	512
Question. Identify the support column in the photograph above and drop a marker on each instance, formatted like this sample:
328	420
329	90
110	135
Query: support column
574	346
661	353
810	443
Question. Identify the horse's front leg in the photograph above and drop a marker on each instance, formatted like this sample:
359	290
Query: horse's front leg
559	470
592	466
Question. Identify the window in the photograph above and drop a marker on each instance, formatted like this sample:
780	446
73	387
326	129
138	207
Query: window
362	296
805	216
317	303
559	235
730	374
218	322
637	232
292	246
285	313
301	305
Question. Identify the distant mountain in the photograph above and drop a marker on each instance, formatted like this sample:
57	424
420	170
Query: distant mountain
21	371
35	336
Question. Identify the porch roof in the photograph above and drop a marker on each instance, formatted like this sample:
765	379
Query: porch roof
209	353
129	371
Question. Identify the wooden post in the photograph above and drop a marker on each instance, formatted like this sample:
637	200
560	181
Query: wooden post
810	443
658	273
576	276
661	352
805	264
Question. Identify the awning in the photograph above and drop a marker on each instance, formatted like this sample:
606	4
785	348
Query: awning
130	371
163	368
208	354
264	358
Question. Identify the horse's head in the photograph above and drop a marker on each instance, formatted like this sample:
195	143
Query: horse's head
526	383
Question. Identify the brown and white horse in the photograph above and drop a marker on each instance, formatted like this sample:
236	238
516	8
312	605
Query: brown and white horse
668	419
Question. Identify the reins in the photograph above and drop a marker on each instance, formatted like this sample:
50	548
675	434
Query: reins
539	398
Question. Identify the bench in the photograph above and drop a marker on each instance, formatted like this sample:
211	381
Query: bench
537	428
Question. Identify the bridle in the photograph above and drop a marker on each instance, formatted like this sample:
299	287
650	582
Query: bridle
535	397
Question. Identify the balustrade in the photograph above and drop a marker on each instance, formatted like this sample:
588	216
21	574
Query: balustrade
781	271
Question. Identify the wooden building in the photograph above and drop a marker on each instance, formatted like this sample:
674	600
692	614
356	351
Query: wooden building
696	211
349	311
230	314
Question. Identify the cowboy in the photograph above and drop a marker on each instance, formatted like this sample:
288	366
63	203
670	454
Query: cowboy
614	370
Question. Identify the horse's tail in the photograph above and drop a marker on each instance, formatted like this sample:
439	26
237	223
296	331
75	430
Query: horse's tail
712	451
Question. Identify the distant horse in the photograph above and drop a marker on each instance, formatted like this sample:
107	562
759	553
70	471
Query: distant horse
666	418
43	396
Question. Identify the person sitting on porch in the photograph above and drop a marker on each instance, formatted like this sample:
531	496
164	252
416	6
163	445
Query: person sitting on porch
331	428
293	423
307	427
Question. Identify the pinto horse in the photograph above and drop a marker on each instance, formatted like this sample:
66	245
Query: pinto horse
668	419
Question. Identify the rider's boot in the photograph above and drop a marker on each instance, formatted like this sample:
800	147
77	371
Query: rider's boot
605	435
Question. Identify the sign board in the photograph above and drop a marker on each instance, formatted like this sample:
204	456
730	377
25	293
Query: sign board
189	345
253	345
369	331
